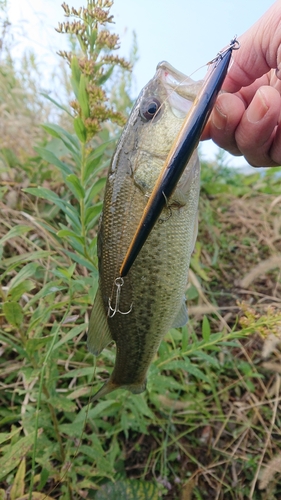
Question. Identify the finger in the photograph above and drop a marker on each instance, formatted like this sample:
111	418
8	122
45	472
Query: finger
275	150
256	132
224	121
260	51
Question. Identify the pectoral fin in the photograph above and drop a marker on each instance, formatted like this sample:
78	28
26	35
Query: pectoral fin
99	335
182	317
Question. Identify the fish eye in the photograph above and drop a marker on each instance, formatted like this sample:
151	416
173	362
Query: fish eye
149	108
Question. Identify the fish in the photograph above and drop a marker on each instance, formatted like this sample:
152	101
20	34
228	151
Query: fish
137	310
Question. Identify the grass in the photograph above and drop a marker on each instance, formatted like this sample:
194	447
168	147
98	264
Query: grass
208	426
208	423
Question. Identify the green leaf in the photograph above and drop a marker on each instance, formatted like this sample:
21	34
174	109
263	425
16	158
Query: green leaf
15	231
83	97
25	257
95	412
185	338
80	129
100	150
64	205
33	345
95	189
56	103
44	476
13	456
25	273
128	490
46	194
92	167
82	261
96	455
6	338
17	292
206	330
191	292
9	435
73	220
48	289
76	330
105	76
192	369
67	272
92	39
13	313
92	215
66	233
76	74
93	161
75	186
61	403
36	495
68	139
79	372
187	367
142	408
77	242
211	360
53	160
18	487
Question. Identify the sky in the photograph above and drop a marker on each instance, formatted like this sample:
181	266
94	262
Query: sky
186	33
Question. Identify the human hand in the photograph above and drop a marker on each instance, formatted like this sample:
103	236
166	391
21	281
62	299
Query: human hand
246	117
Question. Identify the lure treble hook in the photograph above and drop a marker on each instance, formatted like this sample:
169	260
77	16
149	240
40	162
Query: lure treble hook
119	282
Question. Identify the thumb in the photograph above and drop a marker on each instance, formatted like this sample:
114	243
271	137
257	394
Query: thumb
260	51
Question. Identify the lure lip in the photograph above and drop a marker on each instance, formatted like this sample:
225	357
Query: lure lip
181	152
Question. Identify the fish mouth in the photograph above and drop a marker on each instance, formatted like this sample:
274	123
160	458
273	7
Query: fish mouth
181	89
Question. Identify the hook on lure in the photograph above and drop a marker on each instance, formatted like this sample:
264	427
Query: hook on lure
181	151
119	282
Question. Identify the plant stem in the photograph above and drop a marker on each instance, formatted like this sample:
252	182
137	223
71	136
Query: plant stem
43	389
82	201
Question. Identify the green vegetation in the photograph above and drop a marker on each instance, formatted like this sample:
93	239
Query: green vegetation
208	426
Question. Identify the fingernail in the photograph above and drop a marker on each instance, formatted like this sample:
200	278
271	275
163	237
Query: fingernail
258	109
219	118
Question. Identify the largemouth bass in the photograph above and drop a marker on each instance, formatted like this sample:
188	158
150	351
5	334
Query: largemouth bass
138	310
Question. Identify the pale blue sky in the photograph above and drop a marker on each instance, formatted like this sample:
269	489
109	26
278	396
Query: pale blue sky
187	33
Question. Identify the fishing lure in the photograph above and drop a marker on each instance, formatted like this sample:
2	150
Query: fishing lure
181	152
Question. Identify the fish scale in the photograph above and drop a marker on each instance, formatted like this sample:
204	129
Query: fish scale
155	285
